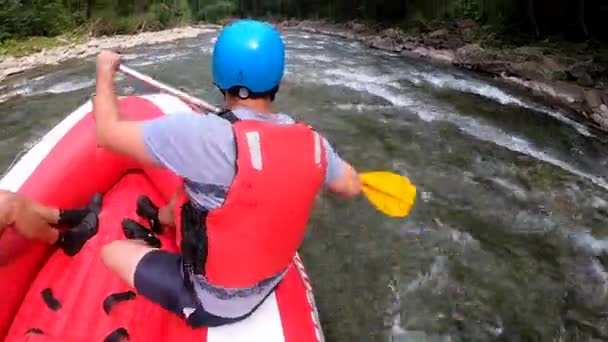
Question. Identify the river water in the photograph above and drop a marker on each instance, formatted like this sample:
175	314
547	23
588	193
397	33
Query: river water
508	240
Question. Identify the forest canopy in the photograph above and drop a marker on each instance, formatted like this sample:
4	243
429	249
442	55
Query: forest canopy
575	20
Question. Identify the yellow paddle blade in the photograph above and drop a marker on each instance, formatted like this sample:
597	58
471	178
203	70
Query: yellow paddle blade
389	192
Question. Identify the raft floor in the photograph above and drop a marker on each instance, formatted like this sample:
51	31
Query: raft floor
81	283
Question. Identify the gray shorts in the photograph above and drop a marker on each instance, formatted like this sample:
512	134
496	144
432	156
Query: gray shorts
158	277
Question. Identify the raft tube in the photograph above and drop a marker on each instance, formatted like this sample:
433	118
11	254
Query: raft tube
48	296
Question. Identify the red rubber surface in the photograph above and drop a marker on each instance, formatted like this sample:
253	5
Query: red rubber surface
67	177
81	284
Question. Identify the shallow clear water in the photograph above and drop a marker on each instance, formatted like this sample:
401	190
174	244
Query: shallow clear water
508	239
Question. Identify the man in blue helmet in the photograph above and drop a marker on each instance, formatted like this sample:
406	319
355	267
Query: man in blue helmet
250	179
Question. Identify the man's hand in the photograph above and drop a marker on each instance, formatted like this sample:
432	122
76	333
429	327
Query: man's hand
107	64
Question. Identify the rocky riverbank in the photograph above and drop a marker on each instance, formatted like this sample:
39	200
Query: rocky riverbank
13	65
575	83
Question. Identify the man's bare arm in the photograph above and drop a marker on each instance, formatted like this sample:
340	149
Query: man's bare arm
348	185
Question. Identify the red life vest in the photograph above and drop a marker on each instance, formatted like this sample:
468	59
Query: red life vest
256	232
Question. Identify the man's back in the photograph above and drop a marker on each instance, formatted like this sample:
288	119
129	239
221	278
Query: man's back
207	151
202	149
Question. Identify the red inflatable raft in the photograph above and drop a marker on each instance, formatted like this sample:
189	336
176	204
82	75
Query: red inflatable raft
64	169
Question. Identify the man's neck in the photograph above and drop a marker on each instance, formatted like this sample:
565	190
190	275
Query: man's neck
261	106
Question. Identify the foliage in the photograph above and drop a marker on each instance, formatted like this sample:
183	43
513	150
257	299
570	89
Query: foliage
214	12
575	20
31	45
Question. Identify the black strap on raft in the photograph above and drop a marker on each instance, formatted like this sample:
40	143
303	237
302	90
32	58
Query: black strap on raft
35	331
50	300
117	335
115	298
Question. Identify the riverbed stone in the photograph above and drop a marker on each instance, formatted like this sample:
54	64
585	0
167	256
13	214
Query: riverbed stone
382	43
438	33
605	97
593	98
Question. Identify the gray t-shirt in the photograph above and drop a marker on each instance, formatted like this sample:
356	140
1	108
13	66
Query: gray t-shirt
202	150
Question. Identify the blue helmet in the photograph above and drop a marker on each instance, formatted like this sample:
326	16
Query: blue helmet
250	54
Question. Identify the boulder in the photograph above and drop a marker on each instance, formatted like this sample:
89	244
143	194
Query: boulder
470	54
382	43
593	99
586	72
438	33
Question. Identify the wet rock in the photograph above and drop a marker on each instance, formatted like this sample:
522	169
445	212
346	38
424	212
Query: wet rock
470	54
383	43
438	33
467	23
593	99
586	72
605	97
468	34
600	120
356	27
441	39
442	56
531	52
392	33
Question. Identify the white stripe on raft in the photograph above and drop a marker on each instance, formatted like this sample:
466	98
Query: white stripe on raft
263	325
22	170
310	297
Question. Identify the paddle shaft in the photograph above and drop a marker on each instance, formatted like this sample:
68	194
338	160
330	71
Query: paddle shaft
168	89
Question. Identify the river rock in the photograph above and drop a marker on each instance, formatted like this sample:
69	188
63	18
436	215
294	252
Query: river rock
382	43
356	27
530	52
468	34
593	99
469	54
605	97
585	72
438	33
392	33
441	56
600	120
467	23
